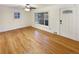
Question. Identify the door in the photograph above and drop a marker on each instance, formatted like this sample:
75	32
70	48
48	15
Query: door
68	22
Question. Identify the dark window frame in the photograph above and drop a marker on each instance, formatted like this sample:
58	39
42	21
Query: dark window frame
17	15
42	18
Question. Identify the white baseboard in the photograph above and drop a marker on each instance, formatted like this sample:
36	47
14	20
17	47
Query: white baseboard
4	29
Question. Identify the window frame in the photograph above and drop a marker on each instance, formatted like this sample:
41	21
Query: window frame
44	18
17	15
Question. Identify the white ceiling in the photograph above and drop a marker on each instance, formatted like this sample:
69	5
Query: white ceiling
23	5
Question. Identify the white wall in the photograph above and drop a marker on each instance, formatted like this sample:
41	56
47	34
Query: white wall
54	15
7	21
77	22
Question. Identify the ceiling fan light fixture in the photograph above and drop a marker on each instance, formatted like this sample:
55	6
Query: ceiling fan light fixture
28	6
26	9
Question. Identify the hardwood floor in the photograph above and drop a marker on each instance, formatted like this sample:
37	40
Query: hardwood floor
31	40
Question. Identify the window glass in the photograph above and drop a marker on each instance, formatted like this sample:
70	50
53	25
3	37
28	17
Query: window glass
16	15
41	18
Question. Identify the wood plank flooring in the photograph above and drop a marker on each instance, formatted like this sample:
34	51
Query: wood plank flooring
34	41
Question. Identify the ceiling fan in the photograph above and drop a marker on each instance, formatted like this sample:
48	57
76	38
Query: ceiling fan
29	7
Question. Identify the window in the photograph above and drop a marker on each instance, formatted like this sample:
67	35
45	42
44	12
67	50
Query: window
67	11
16	15
41	18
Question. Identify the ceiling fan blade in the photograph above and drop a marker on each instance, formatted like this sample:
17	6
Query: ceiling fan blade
32	8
